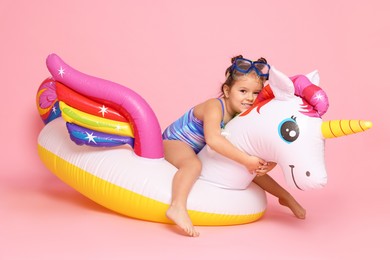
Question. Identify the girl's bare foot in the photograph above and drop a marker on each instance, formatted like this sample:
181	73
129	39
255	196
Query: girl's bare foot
180	217
294	206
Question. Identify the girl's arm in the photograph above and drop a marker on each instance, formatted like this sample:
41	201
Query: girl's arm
212	115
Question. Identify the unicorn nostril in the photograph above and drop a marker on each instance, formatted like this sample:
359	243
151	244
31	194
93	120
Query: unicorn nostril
308	174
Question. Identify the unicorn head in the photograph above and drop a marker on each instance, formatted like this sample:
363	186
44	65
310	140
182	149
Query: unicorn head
285	129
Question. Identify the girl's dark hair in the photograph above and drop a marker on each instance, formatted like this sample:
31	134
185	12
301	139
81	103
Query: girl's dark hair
230	79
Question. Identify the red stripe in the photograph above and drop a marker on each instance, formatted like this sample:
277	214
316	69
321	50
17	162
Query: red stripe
85	104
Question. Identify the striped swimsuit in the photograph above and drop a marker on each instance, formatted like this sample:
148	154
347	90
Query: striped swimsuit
189	129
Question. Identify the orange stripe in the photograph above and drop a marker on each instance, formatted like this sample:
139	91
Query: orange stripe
341	127
361	125
350	126
330	128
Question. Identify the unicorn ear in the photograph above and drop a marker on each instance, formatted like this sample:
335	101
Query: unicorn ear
314	77
281	85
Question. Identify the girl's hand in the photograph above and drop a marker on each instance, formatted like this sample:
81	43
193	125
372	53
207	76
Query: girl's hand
268	166
258	166
253	164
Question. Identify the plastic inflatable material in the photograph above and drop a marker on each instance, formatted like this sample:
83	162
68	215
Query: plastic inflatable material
122	165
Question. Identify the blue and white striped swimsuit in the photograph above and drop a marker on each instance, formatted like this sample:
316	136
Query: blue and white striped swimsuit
189	129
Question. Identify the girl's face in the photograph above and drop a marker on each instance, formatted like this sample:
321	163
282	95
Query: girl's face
241	95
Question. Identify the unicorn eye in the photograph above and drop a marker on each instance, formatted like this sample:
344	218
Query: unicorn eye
289	130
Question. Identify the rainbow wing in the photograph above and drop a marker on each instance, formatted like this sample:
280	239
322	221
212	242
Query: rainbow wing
92	123
98	112
89	122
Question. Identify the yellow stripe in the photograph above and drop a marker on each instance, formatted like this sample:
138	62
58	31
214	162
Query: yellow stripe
126	202
108	126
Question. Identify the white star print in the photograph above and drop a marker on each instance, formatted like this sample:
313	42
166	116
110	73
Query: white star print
61	72
103	110
118	128
90	137
319	97
54	110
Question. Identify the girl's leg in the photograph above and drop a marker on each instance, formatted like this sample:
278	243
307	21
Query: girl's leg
189	167
286	199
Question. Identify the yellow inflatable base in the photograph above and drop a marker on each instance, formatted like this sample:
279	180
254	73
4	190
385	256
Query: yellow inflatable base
114	197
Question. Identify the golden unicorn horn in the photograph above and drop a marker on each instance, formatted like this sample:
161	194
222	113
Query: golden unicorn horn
336	128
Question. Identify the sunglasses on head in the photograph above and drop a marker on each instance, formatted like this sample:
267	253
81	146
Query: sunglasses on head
244	66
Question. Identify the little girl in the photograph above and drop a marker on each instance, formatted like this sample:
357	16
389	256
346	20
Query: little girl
202	124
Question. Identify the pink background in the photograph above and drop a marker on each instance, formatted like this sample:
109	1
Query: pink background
174	54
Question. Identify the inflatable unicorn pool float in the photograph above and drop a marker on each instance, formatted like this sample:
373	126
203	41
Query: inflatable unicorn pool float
122	166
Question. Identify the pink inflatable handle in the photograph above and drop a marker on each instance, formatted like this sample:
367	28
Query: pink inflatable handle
313	94
147	131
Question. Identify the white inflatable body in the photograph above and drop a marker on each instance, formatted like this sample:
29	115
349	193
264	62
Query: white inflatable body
139	187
